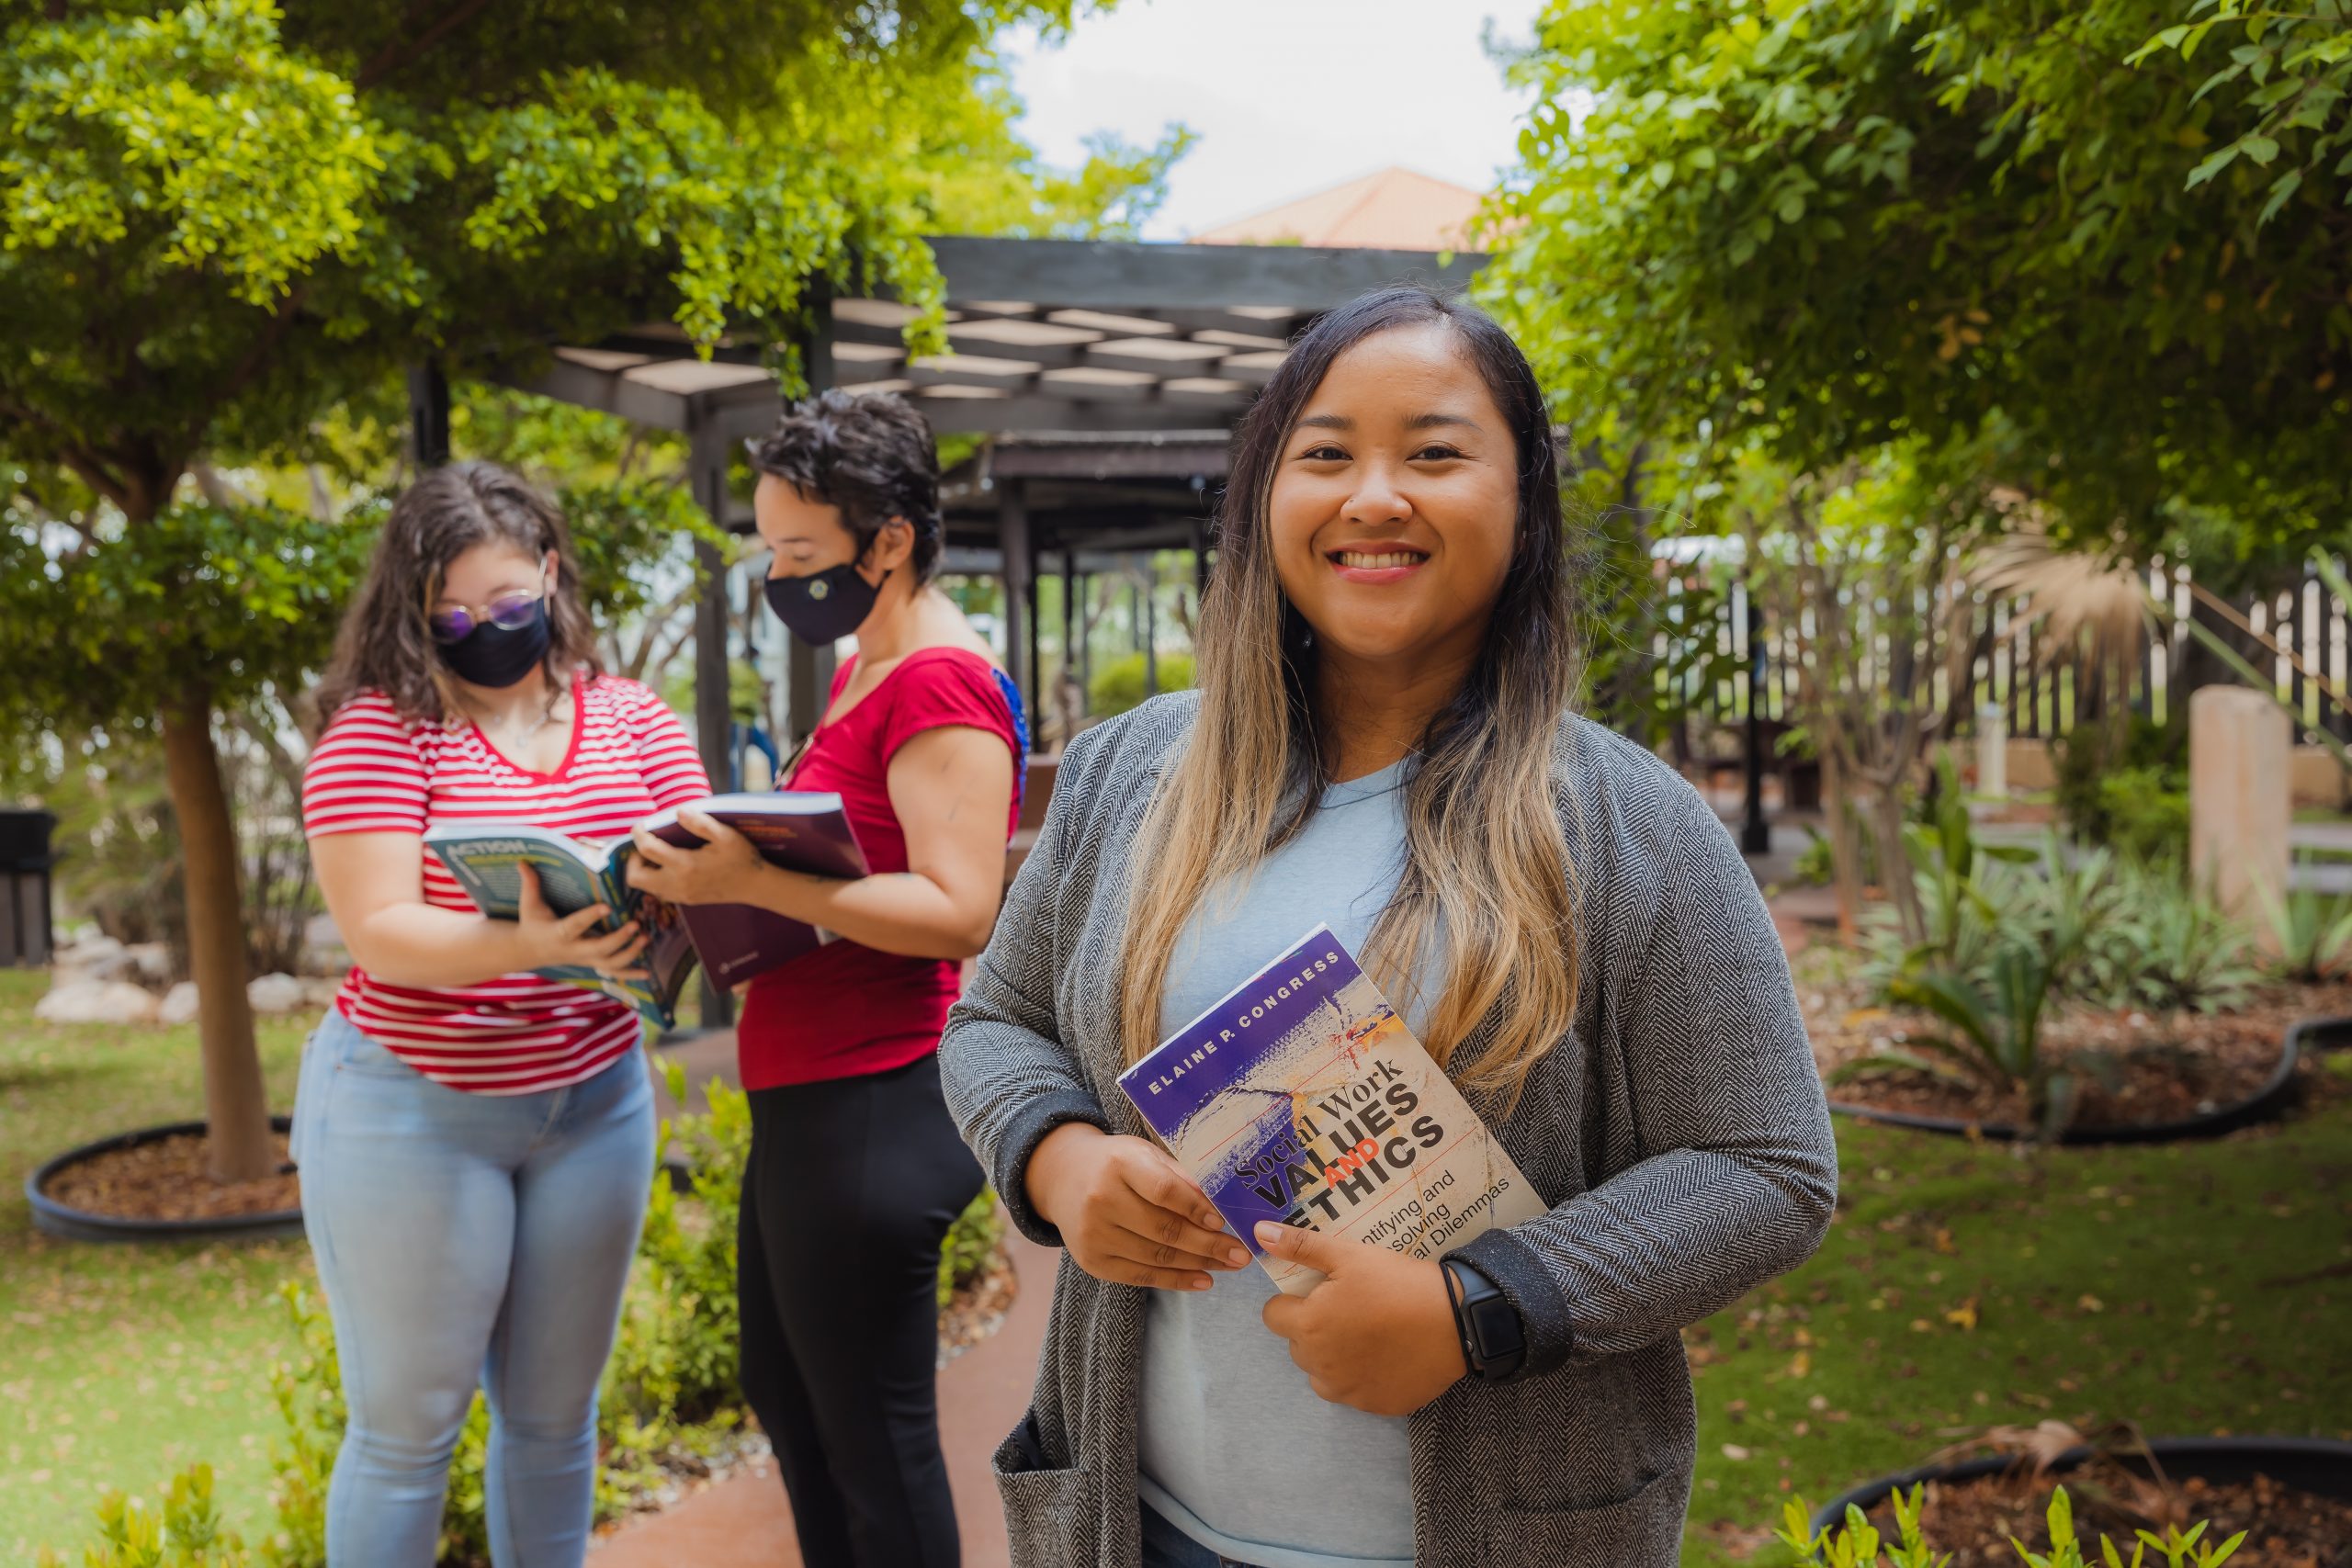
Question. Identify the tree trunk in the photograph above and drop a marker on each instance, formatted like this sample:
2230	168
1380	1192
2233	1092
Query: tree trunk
1845	848
1894	875
237	1111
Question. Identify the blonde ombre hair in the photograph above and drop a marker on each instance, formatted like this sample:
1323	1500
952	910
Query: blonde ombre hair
1485	862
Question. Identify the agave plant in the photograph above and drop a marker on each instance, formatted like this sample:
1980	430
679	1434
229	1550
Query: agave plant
2003	943
2169	948
2313	930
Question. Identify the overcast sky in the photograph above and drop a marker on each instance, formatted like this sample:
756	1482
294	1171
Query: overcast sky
1289	97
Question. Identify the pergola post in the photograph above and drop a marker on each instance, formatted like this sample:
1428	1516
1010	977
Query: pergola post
1151	625
1755	832
1070	623
808	671
714	716
1020	587
428	414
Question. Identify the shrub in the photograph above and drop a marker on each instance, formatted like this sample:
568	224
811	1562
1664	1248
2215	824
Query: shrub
1817	867
2145	815
971	1242
2105	775
1118	684
185	1533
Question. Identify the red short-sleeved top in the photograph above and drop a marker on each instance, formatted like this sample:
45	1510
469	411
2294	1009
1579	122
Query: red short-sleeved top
844	1009
374	772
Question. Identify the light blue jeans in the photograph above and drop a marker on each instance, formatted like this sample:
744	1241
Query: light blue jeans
467	1240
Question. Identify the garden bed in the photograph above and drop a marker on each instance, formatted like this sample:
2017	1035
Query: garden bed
2135	1074
152	1185
2276	1491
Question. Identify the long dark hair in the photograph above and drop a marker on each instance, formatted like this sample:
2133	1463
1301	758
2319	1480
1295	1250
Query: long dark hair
1487	874
385	646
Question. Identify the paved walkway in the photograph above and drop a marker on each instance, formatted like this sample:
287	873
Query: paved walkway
745	1521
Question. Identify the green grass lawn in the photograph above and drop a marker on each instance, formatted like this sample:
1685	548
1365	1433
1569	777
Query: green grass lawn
118	1365
2191	1288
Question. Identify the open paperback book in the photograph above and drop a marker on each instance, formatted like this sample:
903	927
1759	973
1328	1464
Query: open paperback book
1301	1097
803	831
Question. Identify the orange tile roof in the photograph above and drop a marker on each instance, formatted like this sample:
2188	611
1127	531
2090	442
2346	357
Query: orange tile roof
1393	210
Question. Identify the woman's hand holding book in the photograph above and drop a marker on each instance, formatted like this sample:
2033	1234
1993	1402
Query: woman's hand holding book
551	941
1378	1334
721	870
1128	1213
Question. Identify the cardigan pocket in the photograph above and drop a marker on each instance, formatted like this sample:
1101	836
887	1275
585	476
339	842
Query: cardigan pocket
1048	1516
1643	1530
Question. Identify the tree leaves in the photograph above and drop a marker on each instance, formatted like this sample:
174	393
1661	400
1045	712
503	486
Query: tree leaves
245	598
217	220
2144	205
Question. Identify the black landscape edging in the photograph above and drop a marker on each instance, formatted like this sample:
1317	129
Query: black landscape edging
2260	1106
68	1223
2322	1466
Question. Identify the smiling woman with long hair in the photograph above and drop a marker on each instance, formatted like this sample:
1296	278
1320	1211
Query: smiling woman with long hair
1382	742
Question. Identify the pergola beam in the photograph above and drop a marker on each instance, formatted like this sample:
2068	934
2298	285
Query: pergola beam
1174	460
1111	275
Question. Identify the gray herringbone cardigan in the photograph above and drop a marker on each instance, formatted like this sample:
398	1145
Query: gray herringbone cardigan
1679	1132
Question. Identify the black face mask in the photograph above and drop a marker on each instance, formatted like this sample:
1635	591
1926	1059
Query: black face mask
823	606
494	657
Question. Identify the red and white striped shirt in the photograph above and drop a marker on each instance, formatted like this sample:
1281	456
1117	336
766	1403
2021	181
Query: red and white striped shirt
373	772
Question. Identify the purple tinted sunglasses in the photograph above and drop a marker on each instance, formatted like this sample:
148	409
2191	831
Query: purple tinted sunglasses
508	612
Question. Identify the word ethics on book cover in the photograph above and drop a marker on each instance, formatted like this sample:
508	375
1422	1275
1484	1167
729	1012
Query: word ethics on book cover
1302	1097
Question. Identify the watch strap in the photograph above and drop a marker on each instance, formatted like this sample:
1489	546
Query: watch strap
1494	1340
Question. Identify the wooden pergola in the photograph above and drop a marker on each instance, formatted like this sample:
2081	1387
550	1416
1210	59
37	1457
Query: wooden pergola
1111	372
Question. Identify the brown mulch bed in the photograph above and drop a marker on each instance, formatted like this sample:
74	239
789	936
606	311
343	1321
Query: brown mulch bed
166	1179
978	1306
2286	1527
2131	1068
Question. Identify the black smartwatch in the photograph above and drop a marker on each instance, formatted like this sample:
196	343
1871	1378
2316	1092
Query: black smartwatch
1493	1340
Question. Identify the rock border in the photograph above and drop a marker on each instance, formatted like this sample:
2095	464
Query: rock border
68	1223
2263	1104
2319	1465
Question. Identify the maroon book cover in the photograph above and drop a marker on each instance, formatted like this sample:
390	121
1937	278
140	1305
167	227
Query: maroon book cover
803	830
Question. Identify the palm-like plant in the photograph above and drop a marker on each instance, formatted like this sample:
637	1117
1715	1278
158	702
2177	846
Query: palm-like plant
1994	1028
2075	594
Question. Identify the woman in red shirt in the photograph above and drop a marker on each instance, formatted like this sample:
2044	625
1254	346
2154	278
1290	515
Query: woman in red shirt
855	1169
476	1141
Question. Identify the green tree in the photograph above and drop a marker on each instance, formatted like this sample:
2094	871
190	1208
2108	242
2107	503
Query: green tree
219	219
2112	234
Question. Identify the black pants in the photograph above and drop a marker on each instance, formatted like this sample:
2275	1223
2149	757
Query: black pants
850	1189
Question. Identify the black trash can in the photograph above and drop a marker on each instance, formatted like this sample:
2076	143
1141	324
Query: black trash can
26	932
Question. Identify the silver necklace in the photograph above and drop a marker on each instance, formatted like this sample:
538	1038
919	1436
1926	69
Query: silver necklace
516	738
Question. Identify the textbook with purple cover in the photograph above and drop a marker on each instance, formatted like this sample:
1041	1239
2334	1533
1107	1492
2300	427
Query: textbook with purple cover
803	830
1301	1097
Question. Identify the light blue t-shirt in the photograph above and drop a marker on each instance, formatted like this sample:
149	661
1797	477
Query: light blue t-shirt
1236	1451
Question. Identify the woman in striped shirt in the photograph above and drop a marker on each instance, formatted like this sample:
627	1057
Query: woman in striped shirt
476	1141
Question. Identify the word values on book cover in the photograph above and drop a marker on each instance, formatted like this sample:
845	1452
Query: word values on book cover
1303	1097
